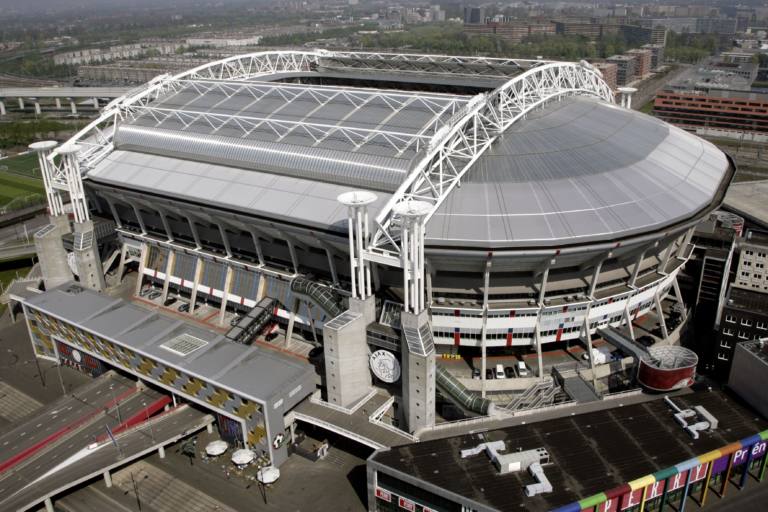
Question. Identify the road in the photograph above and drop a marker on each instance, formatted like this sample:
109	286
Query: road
133	444
73	439
65	411
647	90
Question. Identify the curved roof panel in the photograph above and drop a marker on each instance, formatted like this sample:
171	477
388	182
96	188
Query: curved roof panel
580	170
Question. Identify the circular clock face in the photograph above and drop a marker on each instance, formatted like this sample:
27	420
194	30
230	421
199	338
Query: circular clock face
385	366
76	355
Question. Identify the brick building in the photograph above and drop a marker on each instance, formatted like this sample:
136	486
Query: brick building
725	110
643	63
609	71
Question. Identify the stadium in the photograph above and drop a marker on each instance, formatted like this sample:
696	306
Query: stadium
469	203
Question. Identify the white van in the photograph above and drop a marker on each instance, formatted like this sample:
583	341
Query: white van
522	369
500	372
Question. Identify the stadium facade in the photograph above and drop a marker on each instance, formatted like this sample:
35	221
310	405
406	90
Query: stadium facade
437	202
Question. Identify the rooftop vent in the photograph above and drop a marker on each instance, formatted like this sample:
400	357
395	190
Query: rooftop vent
184	344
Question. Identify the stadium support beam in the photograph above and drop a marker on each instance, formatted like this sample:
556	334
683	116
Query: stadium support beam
596	274
113	210
168	269
660	314
636	269
142	266
166	225
257	245
628	319
196	283
224	238
686	241
587	338
537	339
679	298
195	233
225	294
483	341
139	218
664	259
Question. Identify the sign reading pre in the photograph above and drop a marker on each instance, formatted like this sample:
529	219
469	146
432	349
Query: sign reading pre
385	366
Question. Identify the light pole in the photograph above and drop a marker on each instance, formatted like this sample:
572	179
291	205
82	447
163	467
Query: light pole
117	404
151	430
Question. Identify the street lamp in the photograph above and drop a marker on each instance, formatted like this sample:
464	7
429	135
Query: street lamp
151	429
117	404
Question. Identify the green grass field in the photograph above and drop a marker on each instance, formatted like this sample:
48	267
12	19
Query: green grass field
13	186
23	164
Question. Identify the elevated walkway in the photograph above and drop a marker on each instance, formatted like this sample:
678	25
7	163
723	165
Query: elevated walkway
322	296
355	424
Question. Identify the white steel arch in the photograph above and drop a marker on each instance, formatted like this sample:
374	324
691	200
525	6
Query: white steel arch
450	151
454	148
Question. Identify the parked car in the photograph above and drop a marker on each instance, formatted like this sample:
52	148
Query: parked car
146	290
169	301
500	372
509	372
522	369
154	294
476	373
184	307
488	374
271	336
234	320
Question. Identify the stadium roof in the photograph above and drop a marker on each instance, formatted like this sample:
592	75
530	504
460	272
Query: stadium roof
571	170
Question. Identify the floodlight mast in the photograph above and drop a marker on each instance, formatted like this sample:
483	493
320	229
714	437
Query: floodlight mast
358	225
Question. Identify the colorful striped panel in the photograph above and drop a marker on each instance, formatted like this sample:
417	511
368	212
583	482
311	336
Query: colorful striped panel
639	483
592	501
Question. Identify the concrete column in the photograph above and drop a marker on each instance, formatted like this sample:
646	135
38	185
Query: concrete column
161	452
38	111
168	270
418	374
660	314
96	103
679	297
73	107
483	332
543	286
142	265
628	318
537	339
52	256
107	478
291	320
87	257
121	265
347	374
195	284
209	428
21	103
294	258
58	103
2	108
225	294
636	270
49	505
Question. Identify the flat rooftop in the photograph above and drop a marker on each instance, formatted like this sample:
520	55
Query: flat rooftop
590	452
255	372
748	200
748	300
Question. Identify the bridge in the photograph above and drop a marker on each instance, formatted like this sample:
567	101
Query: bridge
34	94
